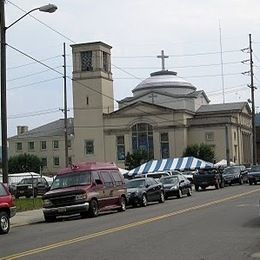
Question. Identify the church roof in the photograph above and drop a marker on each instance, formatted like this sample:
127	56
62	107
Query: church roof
163	79
55	128
222	107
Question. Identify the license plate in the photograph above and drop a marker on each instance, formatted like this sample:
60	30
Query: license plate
61	210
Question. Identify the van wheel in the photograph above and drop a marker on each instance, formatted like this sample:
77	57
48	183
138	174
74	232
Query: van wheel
4	223
93	208
122	204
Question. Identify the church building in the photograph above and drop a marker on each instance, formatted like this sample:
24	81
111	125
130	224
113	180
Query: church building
164	115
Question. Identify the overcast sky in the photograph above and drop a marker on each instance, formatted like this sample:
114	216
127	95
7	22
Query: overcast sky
188	31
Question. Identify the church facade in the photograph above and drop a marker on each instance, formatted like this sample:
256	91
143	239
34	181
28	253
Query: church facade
164	115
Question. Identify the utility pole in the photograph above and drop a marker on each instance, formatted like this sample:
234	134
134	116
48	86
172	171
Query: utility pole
252	99
3	94
65	106
227	145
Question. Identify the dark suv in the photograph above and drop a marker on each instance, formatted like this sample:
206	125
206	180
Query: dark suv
31	187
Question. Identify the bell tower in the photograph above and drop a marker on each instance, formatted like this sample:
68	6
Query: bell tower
92	97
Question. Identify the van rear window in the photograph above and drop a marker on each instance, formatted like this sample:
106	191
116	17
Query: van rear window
71	179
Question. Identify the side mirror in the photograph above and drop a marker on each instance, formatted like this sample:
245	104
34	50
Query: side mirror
98	182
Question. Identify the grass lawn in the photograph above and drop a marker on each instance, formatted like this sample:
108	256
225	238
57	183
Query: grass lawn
23	204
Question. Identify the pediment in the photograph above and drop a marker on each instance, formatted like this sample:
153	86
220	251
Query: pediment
141	108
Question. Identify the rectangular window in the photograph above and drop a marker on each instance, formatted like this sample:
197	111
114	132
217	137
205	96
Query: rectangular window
55	144
86	61
209	136
120	143
19	146
105	61
117	178
107	180
44	161
165	145
56	161
43	145
69	143
89	147
2	190
31	146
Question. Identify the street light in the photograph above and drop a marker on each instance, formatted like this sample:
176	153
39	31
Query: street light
50	8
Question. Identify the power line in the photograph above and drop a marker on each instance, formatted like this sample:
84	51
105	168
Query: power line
31	63
34	83
54	30
31	75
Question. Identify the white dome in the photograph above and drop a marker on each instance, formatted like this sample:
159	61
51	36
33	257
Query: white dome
166	81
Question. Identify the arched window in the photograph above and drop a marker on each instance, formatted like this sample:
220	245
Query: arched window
142	138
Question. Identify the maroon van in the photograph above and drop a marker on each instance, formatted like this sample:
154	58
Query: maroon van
86	188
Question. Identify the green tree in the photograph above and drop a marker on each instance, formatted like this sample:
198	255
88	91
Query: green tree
201	151
137	158
24	163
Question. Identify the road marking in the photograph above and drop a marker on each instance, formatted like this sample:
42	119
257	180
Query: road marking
124	227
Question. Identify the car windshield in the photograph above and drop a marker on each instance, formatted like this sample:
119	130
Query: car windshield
255	168
170	180
231	170
135	184
71	179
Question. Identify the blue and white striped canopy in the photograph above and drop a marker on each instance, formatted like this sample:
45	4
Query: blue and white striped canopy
182	163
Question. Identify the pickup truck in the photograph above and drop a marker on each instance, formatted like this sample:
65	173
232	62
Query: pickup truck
7	209
208	177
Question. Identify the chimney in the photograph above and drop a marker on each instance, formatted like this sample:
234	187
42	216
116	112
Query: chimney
22	129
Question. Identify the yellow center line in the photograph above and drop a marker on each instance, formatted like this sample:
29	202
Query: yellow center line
124	227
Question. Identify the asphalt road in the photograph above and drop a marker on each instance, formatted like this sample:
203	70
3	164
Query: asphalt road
212	224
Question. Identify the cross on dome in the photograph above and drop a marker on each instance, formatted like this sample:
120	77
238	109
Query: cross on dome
163	57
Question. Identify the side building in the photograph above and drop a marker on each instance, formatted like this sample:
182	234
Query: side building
46	142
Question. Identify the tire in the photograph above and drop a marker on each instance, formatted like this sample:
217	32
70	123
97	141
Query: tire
50	218
122	204
250	182
189	192
93	209
162	198
179	194
4	223
197	188
144	201
230	184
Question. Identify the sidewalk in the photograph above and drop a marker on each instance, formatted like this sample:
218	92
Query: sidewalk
27	217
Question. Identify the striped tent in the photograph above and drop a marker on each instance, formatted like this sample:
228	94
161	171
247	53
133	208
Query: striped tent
182	163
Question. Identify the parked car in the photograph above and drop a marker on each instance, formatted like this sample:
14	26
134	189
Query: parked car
208	177
86	189
235	174
254	174
154	175
31	187
140	191
7	209
176	185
